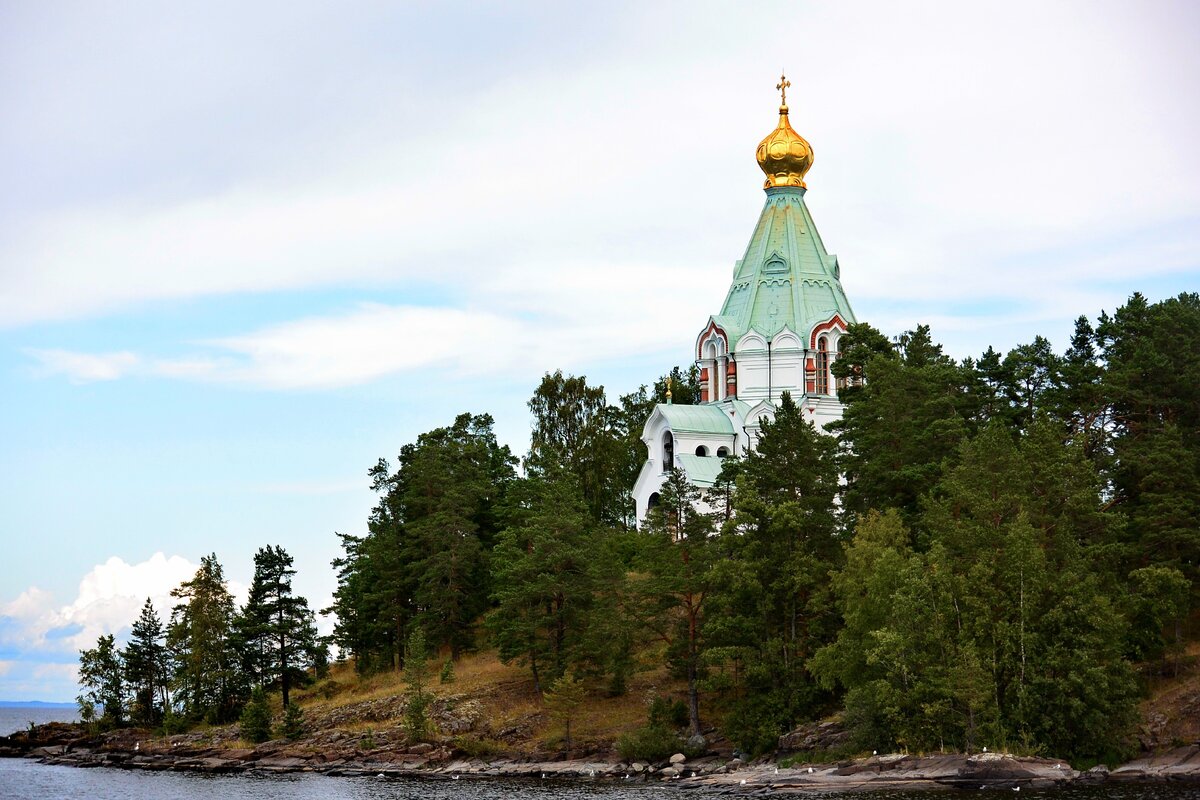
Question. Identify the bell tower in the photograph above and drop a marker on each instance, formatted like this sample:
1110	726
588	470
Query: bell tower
777	331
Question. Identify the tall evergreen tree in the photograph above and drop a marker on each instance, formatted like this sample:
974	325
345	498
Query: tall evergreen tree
674	578
424	558
277	635
103	680
544	580
145	664
207	680
910	414
770	603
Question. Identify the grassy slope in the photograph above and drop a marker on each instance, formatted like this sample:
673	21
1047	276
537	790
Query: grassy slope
510	712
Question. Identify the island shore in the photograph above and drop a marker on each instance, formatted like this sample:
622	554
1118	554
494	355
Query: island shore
63	744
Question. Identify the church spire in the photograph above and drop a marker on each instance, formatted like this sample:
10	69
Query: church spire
784	156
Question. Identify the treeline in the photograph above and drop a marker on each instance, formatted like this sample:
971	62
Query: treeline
986	553
211	659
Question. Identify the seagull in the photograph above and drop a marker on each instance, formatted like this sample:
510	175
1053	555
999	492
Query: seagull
876	752
985	749
810	770
137	746
777	770
743	783
455	777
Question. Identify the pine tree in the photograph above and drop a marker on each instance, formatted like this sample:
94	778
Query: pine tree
675	578
563	699
255	721
200	641
770	604
543	578
102	677
145	664
276	631
416	674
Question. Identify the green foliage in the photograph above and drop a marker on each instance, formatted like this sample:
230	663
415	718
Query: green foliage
674	578
293	726
649	743
200	641
447	673
478	746
424	558
659	738
416	673
667	712
275	633
563	699
145	664
544	575
899	425
256	717
770	602
102	676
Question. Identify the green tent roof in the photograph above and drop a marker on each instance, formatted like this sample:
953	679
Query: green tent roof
786	278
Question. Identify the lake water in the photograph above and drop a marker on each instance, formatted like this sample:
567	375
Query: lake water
23	779
18	719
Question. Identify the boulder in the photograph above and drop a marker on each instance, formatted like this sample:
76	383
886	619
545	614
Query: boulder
678	758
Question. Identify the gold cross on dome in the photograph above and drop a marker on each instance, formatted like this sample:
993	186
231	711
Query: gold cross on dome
782	86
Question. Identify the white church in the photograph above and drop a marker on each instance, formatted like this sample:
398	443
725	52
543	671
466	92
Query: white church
777	332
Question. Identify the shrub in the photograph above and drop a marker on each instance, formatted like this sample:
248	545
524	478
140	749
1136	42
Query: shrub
256	718
293	722
648	743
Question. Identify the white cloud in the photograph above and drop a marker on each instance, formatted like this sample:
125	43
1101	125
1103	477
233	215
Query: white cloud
944	136
84	367
555	315
108	600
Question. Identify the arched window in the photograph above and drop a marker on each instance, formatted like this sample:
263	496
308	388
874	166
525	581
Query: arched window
822	366
668	451
702	451
722	452
652	502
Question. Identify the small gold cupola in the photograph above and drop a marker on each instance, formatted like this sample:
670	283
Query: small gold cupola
784	155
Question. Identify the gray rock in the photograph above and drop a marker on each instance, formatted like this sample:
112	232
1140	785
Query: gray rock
678	758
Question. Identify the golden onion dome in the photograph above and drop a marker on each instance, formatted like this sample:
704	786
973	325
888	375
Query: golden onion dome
784	155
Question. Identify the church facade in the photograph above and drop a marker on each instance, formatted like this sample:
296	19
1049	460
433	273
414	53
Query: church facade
777	332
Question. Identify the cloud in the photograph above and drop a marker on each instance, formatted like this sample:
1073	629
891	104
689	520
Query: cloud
84	367
511	327
934	147
108	600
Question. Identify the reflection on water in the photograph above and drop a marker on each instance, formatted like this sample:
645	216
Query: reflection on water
28	780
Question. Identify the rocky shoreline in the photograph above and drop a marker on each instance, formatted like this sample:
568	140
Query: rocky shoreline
64	744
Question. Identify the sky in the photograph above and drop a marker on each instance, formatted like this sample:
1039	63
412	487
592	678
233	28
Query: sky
246	250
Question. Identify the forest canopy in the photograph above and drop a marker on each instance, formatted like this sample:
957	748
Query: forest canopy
994	550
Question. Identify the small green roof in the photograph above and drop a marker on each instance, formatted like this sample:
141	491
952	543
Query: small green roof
701	470
696	419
